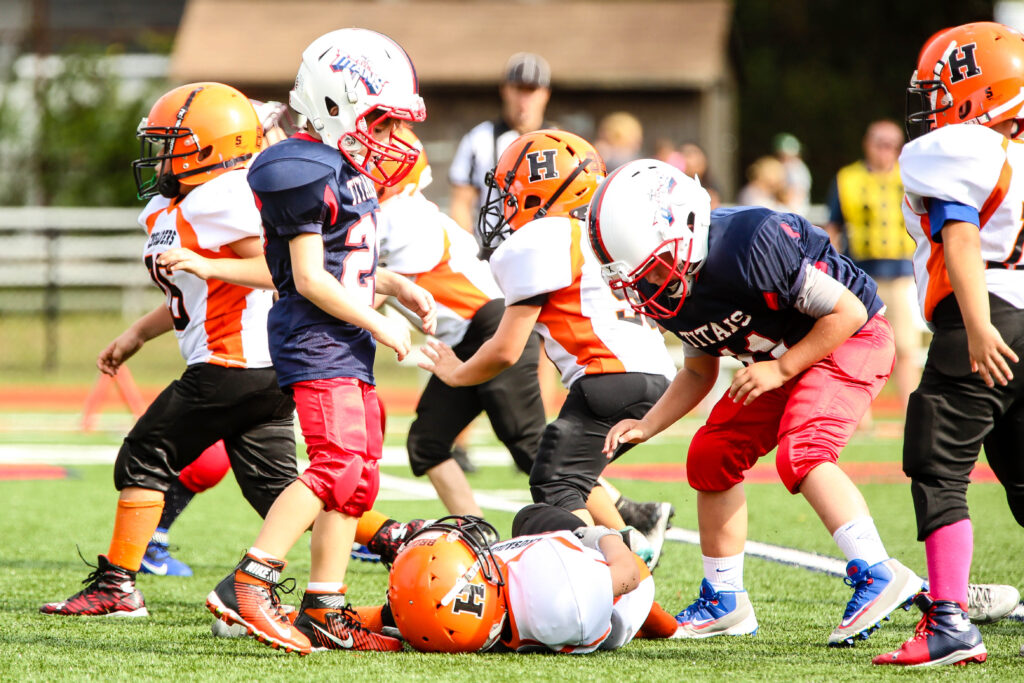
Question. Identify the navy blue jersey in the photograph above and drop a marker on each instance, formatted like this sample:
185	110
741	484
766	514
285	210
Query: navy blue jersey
303	186
742	300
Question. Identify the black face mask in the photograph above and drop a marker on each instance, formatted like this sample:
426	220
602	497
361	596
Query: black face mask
168	186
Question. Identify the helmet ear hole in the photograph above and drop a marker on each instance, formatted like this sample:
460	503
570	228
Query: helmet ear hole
331	106
204	153
531	201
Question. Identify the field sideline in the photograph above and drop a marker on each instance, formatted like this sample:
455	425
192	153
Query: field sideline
796	608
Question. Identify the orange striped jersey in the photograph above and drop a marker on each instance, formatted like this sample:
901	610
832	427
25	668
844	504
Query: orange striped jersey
974	166
215	322
419	241
559	596
587	329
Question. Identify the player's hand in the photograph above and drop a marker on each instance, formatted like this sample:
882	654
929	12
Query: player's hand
756	379
441	361
420	302
118	351
187	260
624	431
988	354
590	536
393	334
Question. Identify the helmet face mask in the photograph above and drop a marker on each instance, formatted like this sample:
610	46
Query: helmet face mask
350	82
648	225
543	173
446	587
193	134
973	73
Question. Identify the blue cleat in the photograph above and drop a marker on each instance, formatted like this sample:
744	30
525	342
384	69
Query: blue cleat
722	613
877	591
158	560
363	554
943	636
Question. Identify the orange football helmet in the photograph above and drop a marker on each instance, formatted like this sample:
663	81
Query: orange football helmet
419	176
544	173
446	587
973	73
193	134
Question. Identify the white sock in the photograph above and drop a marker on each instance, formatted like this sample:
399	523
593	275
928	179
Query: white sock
858	539
261	554
724	573
326	586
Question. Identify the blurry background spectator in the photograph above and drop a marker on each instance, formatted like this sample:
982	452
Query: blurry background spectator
525	90
695	165
797	192
766	179
620	137
866	223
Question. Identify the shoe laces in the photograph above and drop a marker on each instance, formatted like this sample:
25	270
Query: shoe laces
859	586
286	586
95	575
349	618
924	627
701	604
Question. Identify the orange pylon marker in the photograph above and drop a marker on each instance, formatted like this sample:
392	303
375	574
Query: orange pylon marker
126	387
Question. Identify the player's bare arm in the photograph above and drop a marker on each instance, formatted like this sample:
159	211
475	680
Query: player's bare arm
690	385
496	354
622	564
409	294
327	292
829	332
460	208
153	324
249	270
966	270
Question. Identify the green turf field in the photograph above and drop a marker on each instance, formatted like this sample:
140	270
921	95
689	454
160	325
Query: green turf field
44	521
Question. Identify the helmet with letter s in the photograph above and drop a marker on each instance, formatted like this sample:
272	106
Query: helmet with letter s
972	73
192	134
649	214
543	173
446	587
349	82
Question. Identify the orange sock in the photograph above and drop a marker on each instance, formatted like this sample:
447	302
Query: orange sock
369	524
134	525
659	624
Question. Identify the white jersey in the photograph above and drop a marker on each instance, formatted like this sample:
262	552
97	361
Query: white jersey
215	322
978	167
419	241
586	328
560	596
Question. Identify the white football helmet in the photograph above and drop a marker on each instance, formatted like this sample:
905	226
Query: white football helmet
649	213
369	77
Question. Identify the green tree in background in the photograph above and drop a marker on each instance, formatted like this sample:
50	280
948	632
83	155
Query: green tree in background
824	69
75	143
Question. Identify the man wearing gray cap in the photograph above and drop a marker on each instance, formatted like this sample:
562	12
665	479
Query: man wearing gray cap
525	90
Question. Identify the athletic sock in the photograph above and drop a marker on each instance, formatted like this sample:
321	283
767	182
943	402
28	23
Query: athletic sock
326	587
176	499
858	539
369	524
724	573
134	524
949	550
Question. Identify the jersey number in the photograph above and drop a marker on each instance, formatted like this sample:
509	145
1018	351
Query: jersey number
758	344
1013	261
175	299
627	313
360	261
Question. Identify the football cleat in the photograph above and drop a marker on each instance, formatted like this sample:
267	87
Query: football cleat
721	613
643	517
110	592
639	544
331	624
222	629
158	560
987	603
390	537
362	553
877	591
943	636
248	596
